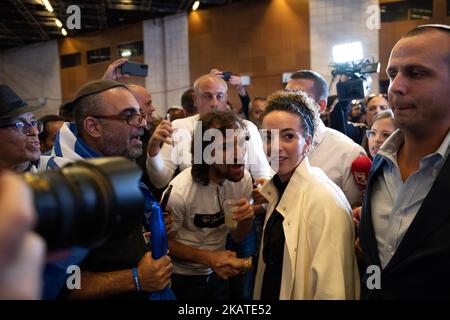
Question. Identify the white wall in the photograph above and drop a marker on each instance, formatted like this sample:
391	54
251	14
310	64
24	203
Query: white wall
32	71
336	22
166	51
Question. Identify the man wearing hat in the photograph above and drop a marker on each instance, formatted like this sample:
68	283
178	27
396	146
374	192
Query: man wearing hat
19	130
108	123
21	250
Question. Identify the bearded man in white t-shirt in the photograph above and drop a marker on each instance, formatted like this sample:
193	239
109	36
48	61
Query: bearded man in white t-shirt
202	265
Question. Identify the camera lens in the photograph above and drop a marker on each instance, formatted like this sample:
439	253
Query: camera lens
226	75
87	201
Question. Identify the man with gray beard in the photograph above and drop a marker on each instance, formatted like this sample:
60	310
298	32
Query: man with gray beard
108	123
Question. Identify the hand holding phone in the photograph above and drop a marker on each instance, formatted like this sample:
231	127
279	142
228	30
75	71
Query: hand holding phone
226	75
134	69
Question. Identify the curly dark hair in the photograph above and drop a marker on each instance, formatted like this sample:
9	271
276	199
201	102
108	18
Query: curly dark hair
220	120
296	102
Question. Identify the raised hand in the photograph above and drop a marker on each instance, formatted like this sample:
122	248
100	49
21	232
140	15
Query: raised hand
114	72
162	134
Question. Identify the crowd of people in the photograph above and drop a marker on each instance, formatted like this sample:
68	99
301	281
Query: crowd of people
306	223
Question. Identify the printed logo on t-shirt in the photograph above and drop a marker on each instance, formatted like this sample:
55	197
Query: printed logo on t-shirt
209	220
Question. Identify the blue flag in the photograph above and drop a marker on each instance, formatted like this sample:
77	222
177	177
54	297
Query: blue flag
158	238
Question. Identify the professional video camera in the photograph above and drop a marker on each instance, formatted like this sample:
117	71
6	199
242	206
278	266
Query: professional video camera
359	80
87	201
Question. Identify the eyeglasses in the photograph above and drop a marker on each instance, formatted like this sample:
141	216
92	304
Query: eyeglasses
24	127
134	119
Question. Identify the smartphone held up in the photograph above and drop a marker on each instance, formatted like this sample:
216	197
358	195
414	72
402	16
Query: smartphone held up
134	69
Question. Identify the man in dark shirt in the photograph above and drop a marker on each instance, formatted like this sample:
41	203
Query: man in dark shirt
108	122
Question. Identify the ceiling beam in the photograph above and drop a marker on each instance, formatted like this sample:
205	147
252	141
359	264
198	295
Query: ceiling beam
146	5
101	15
18	26
7	33
184	5
159	7
60	10
23	10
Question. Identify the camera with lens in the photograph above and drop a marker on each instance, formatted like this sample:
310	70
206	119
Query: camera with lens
359	80
226	75
86	202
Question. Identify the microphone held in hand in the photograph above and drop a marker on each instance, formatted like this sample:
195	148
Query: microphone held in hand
360	171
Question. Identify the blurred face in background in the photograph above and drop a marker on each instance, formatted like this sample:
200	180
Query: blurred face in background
358	112
52	129
307	85
210	94
256	111
374	106
144	98
379	132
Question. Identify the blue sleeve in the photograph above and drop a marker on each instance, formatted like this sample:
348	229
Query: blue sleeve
55	274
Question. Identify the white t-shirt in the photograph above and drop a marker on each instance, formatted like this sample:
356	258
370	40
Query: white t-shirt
198	218
334	153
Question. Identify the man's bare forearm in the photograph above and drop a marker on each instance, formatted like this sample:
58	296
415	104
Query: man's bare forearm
188	253
97	285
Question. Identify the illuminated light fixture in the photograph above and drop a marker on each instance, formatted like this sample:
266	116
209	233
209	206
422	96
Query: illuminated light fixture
195	5
245	80
125	53
47	5
58	23
347	52
64	32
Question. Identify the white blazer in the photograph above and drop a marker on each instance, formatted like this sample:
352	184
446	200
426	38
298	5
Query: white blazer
319	260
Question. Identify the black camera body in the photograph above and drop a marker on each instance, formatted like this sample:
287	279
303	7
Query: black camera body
353	89
86	202
226	75
358	72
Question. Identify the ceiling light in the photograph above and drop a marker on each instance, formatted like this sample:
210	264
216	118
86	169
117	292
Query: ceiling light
195	5
58	23
47	5
347	52
125	53
64	32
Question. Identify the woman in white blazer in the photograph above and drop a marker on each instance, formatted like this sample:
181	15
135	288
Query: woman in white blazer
307	250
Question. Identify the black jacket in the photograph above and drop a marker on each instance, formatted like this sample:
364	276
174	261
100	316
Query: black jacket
420	268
